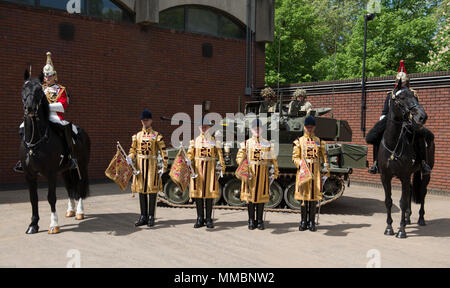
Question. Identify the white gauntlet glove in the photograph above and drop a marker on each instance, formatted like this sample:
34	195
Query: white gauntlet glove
129	161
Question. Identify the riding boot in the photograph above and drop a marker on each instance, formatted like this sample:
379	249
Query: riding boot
209	208
425	169
73	164
152	208
143	202
312	216
251	216
304	222
374	168
200	213
18	168
259	215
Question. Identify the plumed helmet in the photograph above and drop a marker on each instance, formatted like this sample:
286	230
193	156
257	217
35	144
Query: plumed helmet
300	93
310	121
49	69
402	75
146	114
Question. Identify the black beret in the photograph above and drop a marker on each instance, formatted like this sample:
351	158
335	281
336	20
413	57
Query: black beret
310	121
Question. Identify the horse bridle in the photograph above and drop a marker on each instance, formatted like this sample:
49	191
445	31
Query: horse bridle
34	116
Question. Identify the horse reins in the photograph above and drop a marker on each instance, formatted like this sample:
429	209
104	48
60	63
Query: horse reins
30	144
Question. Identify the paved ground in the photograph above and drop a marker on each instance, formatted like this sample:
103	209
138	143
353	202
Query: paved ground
349	229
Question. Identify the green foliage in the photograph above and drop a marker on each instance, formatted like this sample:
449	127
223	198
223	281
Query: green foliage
323	40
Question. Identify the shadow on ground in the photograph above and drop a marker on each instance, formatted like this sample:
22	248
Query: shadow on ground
329	230
347	205
434	228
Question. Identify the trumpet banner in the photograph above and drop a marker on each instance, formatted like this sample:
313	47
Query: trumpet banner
242	171
119	171
180	172
304	174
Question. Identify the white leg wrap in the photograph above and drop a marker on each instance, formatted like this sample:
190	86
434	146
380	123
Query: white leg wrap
54	220
71	205
80	208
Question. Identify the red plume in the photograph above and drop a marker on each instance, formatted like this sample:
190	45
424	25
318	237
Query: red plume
401	68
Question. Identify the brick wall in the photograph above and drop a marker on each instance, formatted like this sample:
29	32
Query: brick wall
113	71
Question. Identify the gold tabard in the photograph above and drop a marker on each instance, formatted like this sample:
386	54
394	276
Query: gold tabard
311	150
261	155
144	152
204	152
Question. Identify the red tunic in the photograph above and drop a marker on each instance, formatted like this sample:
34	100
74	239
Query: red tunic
57	94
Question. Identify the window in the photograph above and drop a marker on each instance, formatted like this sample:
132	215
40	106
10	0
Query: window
23	2
95	8
172	18
197	19
57	4
107	9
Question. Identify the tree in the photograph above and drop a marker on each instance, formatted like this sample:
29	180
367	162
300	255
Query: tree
398	33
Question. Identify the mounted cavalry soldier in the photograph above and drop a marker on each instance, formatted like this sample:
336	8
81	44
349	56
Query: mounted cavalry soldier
308	154
203	153
262	170
424	136
144	153
58	100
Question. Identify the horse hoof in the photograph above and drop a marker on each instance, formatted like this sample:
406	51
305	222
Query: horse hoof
53	230
421	222
79	217
70	214
389	232
32	229
401	235
408	222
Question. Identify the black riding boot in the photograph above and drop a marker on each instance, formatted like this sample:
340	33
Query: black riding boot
143	202
200	213
426	170
209	208
374	168
251	216
259	215
312	216
152	208
73	164
18	168
304	212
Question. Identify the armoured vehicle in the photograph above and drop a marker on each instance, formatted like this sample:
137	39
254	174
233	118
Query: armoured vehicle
343	157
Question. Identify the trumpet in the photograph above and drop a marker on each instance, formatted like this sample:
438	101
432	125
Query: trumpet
119	147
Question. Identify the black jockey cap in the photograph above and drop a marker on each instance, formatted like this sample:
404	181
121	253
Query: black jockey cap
146	114
310	121
256	123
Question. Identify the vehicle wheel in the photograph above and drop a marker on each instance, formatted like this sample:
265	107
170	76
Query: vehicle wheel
174	194
289	197
332	187
276	195
232	193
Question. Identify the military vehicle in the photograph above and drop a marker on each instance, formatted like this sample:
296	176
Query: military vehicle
342	157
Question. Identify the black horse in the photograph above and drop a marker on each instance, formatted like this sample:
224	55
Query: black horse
43	152
397	157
